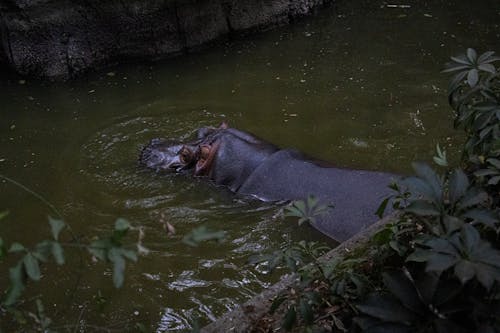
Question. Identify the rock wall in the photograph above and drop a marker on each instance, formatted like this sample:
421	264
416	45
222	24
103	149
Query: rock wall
62	38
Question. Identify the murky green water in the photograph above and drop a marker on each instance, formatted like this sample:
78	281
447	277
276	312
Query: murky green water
358	85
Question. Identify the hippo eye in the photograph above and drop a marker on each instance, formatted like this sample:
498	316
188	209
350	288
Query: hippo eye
185	155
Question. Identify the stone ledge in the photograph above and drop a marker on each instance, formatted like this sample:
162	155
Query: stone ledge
63	38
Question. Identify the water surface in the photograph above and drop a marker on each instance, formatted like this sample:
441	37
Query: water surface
357	85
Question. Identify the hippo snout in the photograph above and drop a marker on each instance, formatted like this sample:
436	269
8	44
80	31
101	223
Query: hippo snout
151	157
163	155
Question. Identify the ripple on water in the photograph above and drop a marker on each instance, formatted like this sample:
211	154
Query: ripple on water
187	283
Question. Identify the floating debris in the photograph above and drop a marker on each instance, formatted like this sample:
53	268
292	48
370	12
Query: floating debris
357	142
416	120
397	6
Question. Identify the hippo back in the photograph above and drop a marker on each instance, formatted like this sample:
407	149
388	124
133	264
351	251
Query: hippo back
355	194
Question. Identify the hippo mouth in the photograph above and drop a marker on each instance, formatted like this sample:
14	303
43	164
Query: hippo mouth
170	156
165	155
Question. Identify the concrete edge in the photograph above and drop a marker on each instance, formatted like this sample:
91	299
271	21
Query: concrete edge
244	317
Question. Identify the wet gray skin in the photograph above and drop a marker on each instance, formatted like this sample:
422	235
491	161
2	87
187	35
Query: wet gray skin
170	155
166	155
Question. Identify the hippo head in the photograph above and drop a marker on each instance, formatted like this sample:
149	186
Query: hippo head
225	155
168	155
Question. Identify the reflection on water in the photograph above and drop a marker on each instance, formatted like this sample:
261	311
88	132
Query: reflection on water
358	85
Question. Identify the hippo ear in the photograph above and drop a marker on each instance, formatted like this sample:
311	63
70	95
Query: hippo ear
206	157
223	125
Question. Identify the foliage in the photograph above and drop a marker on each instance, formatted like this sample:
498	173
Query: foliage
474	94
440	158
425	302
108	249
450	279
111	250
202	234
114	249
454	268
306	210
437	267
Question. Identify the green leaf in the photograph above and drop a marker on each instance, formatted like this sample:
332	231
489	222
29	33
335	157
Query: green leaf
202	234
57	253
471	55
99	248
402	288
289	319
56	226
425	172
470	237
301	206
31	266
495	162
452	224
457	80
440	159
473	77
486	278
485	172
461	59
464	271
129	254
381	208
453	67
440	262
42	250
385	308
443	245
485	56
115	257
487	68
472	198
16	287
422	208
306	312
383	236
122	225
17	247
312	201
494	180
419	255
482	216
458	185
293	211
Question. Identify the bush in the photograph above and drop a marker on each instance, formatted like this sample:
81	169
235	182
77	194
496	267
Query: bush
437	268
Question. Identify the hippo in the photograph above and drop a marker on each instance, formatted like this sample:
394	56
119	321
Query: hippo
250	166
